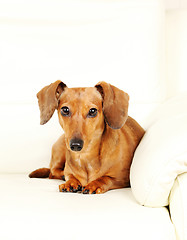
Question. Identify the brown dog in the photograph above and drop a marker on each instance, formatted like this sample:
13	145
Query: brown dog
96	150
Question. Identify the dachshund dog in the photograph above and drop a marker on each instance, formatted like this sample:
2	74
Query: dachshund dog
95	152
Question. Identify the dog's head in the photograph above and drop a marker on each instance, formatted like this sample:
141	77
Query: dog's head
83	112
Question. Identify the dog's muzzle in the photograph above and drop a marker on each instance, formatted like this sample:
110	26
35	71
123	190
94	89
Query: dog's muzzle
76	144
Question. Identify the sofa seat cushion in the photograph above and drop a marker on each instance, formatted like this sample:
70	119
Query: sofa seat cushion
35	209
178	206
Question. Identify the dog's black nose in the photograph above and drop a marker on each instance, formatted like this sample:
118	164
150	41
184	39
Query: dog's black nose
76	144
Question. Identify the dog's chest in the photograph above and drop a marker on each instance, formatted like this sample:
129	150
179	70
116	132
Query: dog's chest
85	169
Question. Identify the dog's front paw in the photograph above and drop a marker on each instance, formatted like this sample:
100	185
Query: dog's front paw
71	186
92	188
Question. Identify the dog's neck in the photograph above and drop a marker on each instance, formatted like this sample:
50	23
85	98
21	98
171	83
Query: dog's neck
87	162
88	156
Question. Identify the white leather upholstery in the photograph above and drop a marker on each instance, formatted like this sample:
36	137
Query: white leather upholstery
80	42
34	209
178	206
162	154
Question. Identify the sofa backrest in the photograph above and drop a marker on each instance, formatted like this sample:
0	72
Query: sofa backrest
176	51
81	43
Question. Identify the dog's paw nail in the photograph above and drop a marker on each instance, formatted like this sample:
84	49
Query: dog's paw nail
94	192
86	191
74	190
79	188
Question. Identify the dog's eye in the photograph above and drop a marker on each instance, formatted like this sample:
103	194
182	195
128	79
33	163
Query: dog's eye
65	111
92	112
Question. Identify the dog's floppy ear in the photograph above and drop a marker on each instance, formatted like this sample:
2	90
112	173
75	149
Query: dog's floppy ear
48	100
115	104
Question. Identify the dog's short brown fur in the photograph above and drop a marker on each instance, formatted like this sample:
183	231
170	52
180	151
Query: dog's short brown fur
104	141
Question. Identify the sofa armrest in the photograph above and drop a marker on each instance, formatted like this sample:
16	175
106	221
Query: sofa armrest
161	155
178	206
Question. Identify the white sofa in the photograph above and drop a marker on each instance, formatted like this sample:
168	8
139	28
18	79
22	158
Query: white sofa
135	45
